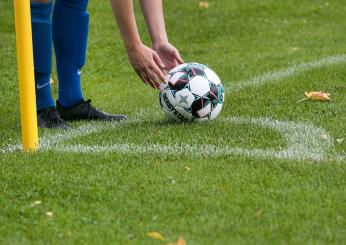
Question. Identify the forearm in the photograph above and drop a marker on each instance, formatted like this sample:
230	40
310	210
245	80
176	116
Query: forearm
153	14
124	14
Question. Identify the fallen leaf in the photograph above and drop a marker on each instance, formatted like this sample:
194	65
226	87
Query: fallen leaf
181	241
317	95
313	95
155	235
187	168
49	214
203	4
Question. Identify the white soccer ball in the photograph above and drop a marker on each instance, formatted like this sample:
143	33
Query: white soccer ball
192	92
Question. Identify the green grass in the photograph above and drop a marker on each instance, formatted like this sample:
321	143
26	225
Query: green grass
116	198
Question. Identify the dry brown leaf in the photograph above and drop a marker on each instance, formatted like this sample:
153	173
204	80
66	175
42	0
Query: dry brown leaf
313	95
181	241
155	235
203	4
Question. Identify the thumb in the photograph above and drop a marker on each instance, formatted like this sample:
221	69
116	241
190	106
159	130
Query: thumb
176	55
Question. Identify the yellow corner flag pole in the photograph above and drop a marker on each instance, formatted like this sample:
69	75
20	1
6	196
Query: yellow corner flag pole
25	62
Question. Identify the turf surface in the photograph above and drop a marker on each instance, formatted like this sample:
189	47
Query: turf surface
117	196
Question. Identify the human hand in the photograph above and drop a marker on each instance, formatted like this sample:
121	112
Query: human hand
147	64
169	55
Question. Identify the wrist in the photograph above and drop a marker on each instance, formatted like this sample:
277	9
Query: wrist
159	41
133	44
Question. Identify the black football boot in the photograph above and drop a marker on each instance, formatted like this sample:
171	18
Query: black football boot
50	118
85	111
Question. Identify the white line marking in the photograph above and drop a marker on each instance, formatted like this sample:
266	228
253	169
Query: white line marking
286	72
304	142
49	139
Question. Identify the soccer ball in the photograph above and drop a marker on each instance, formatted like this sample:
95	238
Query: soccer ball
192	92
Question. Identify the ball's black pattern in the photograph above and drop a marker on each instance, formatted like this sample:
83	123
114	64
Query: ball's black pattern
203	103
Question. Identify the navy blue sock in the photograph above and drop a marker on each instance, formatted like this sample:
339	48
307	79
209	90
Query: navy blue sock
70	35
41	22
